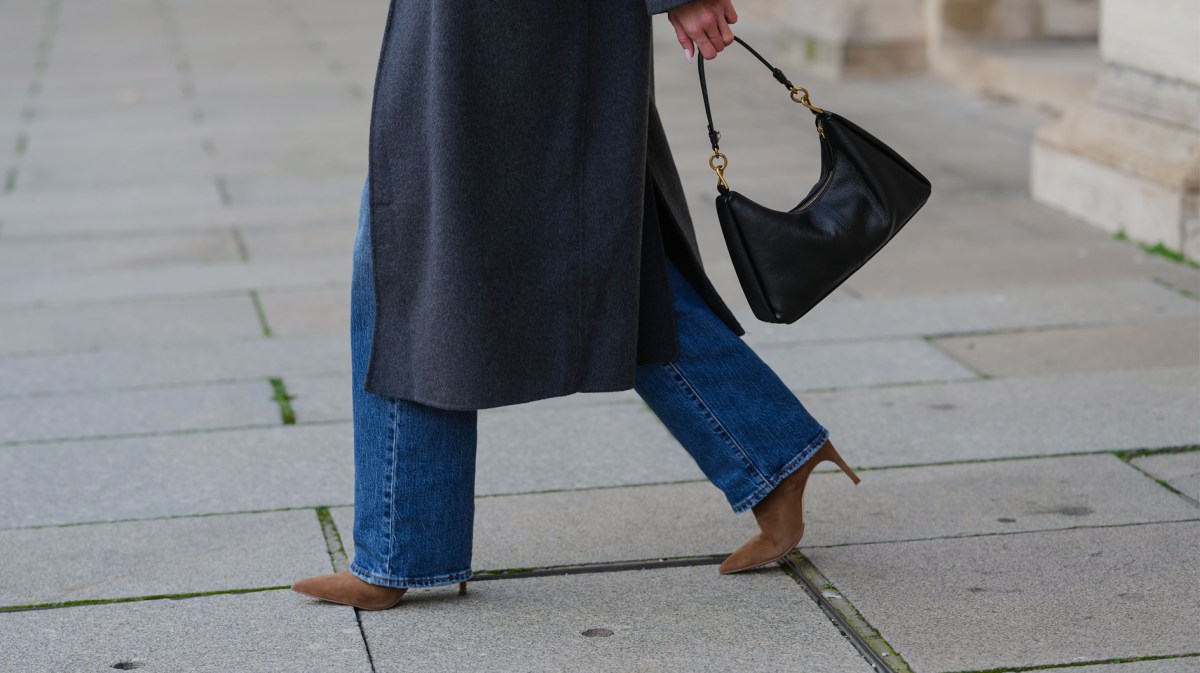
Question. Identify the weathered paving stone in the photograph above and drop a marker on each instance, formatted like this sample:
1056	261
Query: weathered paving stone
1180	470
71	256
268	632
134	412
302	312
163	556
1081	595
690	519
980	498
677	619
96	326
1013	417
542	448
176	281
596	526
935	315
167	475
1180	665
1159	343
809	366
243	217
131	199
161	365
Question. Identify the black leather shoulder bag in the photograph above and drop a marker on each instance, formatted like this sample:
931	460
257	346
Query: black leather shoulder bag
787	262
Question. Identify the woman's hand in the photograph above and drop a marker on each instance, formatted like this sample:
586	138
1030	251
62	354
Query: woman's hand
706	23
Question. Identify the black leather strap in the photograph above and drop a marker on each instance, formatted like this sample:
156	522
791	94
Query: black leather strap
713	135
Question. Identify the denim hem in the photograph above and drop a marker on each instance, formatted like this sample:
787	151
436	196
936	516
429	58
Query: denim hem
791	466
410	582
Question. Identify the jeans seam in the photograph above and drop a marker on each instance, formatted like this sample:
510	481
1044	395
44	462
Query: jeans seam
782	473
391	485
406	582
704	407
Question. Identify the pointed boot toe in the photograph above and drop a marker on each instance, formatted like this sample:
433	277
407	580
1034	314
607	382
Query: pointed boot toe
347	589
758	551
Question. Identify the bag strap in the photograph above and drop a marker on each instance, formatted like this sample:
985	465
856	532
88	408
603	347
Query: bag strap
799	95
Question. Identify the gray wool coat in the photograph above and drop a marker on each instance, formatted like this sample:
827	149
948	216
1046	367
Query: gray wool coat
523	200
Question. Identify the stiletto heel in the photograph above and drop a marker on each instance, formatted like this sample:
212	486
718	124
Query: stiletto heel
462	588
780	516
836	459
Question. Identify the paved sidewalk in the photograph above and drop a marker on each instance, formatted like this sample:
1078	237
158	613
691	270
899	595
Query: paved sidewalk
178	193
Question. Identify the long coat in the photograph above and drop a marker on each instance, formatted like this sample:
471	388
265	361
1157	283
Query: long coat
519	173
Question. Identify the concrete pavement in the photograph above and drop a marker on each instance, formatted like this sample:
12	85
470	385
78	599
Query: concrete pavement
179	200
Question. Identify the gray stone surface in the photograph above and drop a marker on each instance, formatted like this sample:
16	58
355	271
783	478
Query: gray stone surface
56	257
531	448
173	281
1180	470
1162	343
596	526
96	326
162	556
1078	595
811	366
983	498
679	619
198	473
323	310
1013	417
161	365
1181	665
693	519
135	412
266	632
1021	308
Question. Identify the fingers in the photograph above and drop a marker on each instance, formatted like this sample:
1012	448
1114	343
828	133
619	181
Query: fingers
708	27
689	49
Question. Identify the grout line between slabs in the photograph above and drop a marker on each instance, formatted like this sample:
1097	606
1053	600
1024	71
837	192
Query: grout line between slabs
849	621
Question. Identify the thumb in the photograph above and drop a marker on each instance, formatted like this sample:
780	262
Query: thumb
689	48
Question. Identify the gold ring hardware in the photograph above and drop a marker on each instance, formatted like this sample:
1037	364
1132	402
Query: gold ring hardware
719	169
803	99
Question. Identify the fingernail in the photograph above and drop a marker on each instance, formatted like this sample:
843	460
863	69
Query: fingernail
687	54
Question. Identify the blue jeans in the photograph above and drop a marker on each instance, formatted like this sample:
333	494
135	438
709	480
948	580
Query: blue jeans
414	465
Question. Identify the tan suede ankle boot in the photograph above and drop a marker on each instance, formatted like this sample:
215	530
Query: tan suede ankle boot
346	588
780	516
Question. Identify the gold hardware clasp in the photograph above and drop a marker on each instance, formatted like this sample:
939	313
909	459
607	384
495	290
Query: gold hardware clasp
803	99
719	169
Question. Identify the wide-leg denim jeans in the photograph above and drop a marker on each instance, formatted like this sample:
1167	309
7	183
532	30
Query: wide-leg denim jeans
414	465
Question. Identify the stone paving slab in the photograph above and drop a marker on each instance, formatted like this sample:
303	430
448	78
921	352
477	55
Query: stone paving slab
323	240
1161	343
176	281
133	412
1181	665
169	475
716	623
163	556
164	365
596	526
114	325
694	519
182	219
809	366
265	632
1180	470
97	326
1002	418
1040	598
1021	308
301	312
130	199
576	447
